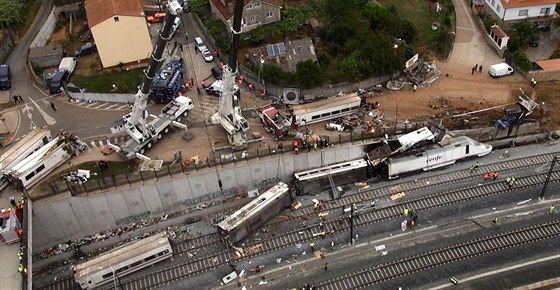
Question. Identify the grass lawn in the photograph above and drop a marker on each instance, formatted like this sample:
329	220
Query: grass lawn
127	81
420	14
115	168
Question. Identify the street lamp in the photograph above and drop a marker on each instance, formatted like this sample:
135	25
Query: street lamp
4	121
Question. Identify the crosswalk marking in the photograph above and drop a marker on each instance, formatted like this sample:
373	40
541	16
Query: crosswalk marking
111	106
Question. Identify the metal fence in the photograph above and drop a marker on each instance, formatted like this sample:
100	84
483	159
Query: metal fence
172	171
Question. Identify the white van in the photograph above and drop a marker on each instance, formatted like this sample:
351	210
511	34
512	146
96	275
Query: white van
500	70
68	64
199	44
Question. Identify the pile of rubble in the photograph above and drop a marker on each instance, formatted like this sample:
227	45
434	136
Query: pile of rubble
423	73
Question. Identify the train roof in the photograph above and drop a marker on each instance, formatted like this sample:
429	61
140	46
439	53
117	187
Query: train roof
22	145
329	102
332	169
123	253
445	145
253	207
32	159
416	136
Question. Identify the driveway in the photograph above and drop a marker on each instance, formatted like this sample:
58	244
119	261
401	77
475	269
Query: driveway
549	42
469	48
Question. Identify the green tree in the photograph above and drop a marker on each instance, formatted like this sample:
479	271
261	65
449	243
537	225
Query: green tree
275	74
350	68
521	60
524	30
197	5
11	12
308	74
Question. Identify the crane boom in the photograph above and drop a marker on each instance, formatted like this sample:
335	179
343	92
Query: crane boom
136	123
143	133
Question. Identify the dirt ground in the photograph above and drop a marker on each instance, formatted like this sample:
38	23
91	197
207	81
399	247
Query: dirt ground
88	63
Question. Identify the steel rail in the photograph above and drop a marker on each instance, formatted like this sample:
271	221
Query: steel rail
441	256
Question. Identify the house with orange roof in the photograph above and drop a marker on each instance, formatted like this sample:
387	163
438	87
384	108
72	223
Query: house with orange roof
119	30
540	12
255	12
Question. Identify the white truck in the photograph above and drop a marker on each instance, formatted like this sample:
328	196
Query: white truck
20	150
172	114
145	133
68	64
44	160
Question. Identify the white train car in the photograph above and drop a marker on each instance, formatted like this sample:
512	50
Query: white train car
316	180
26	146
328	109
257	212
445	153
123	261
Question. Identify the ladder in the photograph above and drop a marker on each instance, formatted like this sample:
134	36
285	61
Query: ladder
334	190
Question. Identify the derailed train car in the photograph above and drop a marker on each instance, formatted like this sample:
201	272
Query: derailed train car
438	155
257	212
317	179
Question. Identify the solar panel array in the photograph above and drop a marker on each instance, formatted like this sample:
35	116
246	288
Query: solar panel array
276	49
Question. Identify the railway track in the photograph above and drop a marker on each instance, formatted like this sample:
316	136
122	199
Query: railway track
197	266
204	264
438	257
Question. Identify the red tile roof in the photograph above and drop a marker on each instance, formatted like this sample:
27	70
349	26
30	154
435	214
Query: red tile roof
100	10
525	3
498	31
225	11
549	64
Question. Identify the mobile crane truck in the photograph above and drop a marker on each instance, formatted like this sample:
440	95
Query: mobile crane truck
143	133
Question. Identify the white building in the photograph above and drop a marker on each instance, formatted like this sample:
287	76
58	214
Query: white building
540	12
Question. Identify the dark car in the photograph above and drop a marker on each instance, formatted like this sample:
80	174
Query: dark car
217	72
5	77
534	41
58	81
86	49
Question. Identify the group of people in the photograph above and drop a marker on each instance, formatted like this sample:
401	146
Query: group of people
511	181
103	165
475	68
533	82
18	99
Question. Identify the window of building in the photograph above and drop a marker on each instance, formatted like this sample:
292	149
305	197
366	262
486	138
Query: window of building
493	2
498	8
257	5
545	11
250	6
253	18
116	18
244	21
269	14
523	12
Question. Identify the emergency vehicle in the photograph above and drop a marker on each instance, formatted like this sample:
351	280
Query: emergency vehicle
274	122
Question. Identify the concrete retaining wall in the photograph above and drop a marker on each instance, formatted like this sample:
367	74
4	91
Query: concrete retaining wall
76	217
44	34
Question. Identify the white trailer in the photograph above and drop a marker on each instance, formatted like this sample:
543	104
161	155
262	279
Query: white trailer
328	109
172	114
28	144
438	155
43	161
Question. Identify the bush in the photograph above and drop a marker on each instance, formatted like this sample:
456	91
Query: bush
522	61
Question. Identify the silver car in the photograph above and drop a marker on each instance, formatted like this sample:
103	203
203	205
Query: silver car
208	57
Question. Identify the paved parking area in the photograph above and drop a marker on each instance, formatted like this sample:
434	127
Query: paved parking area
549	41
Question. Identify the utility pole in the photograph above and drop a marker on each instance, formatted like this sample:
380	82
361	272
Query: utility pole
352	224
543	190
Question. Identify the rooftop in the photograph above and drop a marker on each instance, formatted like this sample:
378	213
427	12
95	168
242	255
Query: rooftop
100	10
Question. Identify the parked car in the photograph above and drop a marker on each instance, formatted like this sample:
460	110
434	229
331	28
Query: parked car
217	72
186	5
208	57
200	46
5	77
88	48
58	81
534	41
500	70
68	64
